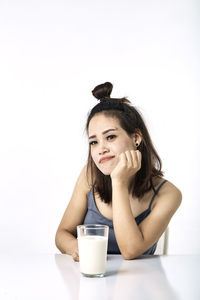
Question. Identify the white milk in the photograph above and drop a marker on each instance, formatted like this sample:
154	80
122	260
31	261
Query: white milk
92	254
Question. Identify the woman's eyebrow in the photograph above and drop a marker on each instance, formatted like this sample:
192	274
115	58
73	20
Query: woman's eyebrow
104	132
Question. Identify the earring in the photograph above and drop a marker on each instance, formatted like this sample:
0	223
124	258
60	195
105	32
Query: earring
136	144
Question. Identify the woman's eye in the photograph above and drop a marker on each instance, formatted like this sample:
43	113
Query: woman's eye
93	143
111	137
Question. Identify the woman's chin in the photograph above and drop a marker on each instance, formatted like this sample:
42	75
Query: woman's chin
107	167
106	171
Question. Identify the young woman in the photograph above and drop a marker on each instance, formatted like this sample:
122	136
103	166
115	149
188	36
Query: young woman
122	184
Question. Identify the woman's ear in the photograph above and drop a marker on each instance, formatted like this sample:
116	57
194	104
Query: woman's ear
137	138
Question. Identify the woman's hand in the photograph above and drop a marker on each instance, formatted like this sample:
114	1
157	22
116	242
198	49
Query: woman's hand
75	255
129	164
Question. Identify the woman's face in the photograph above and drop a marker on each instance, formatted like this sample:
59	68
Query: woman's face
107	141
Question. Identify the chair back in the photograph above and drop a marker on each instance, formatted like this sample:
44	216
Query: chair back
162	245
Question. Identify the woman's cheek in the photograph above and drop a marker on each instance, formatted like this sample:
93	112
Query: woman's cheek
94	160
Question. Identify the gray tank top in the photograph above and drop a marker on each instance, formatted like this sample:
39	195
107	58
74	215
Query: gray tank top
93	216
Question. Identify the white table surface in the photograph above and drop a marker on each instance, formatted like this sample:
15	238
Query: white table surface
49	276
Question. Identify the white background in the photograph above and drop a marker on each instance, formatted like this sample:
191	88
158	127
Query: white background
52	54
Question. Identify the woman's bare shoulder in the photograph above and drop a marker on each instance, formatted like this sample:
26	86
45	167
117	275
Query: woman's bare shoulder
168	193
84	179
167	186
77	206
170	187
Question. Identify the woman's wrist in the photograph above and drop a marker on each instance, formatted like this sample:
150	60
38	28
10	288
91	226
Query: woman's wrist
119	183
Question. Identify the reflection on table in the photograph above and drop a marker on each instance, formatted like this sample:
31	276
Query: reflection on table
150	277
48	276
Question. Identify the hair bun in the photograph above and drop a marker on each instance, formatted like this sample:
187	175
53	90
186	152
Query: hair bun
102	91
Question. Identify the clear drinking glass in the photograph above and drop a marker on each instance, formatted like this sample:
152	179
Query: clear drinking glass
92	246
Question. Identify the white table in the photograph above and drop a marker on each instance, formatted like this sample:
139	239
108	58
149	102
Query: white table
48	276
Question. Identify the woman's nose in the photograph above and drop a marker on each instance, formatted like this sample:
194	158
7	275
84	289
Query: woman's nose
103	148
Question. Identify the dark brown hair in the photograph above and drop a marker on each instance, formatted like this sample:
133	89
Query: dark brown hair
132	122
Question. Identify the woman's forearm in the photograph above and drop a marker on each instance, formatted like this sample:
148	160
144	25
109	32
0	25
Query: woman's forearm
66	242
128	234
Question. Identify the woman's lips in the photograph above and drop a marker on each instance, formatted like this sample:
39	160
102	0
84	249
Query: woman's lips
104	159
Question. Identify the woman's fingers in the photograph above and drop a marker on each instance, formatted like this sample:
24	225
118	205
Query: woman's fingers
129	158
128	165
75	256
139	158
132	159
123	158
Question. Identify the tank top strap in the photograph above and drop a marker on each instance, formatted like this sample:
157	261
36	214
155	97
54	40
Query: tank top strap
90	197
156	192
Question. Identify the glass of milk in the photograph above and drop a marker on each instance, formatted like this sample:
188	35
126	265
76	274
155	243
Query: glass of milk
92	247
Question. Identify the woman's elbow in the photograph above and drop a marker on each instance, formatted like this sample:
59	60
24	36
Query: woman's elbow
57	240
129	255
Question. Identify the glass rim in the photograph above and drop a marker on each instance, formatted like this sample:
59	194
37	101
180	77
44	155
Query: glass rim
92	226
